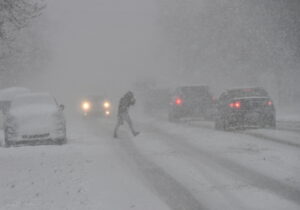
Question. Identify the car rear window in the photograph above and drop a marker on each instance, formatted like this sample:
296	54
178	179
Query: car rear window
248	92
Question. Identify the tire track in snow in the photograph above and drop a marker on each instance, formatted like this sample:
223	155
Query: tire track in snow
168	189
289	126
254	178
269	138
252	134
172	192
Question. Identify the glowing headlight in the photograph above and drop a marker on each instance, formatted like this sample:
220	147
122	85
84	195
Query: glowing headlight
86	105
107	113
106	104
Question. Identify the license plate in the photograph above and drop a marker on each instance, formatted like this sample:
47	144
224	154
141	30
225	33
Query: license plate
252	117
36	136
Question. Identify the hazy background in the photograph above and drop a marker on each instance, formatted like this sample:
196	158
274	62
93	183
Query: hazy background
109	46
101	46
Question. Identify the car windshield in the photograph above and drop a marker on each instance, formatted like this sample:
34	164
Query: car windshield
32	99
95	99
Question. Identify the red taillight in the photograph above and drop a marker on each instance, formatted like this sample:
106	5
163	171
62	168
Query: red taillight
214	99
178	101
236	105
269	103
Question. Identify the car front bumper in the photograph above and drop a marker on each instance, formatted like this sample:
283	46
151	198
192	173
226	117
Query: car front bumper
35	138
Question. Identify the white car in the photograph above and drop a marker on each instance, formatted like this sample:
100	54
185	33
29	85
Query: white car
35	118
6	96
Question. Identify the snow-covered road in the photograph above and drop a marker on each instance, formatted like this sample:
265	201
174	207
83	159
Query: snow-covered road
168	166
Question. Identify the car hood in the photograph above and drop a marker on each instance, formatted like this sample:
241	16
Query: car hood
33	110
36	119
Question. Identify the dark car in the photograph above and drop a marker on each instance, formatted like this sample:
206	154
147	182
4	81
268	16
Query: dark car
96	106
191	102
245	107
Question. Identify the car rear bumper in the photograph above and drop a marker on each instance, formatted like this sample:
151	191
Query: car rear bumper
248	119
38	142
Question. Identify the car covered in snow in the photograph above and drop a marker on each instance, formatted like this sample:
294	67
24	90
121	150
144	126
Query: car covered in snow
8	94
96	106
34	118
245	107
194	101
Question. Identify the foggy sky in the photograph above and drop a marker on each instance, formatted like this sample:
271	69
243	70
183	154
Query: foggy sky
101	45
105	46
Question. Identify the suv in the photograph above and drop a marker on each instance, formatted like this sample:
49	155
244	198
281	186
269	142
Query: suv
245	107
191	102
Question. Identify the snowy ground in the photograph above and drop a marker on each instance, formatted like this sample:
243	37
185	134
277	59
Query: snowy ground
168	166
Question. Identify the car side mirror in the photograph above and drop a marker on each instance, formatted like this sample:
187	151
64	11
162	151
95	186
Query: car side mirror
61	107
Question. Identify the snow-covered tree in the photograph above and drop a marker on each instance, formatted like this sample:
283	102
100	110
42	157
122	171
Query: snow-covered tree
19	41
15	14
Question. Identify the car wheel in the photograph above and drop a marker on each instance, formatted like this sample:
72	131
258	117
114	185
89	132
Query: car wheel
220	124
272	122
61	141
173	118
64	139
6	141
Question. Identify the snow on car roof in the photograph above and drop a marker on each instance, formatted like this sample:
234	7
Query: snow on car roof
252	97
34	95
245	88
33	98
9	94
192	86
248	92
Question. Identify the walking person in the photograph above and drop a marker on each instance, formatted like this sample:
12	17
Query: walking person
125	102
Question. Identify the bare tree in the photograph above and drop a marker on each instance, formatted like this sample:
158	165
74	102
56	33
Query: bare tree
16	14
20	50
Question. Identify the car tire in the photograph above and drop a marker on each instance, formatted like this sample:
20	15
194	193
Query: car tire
61	141
64	139
272	122
220	124
173	118
7	143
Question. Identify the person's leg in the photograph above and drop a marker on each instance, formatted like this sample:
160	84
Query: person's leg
119	123
127	118
116	130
